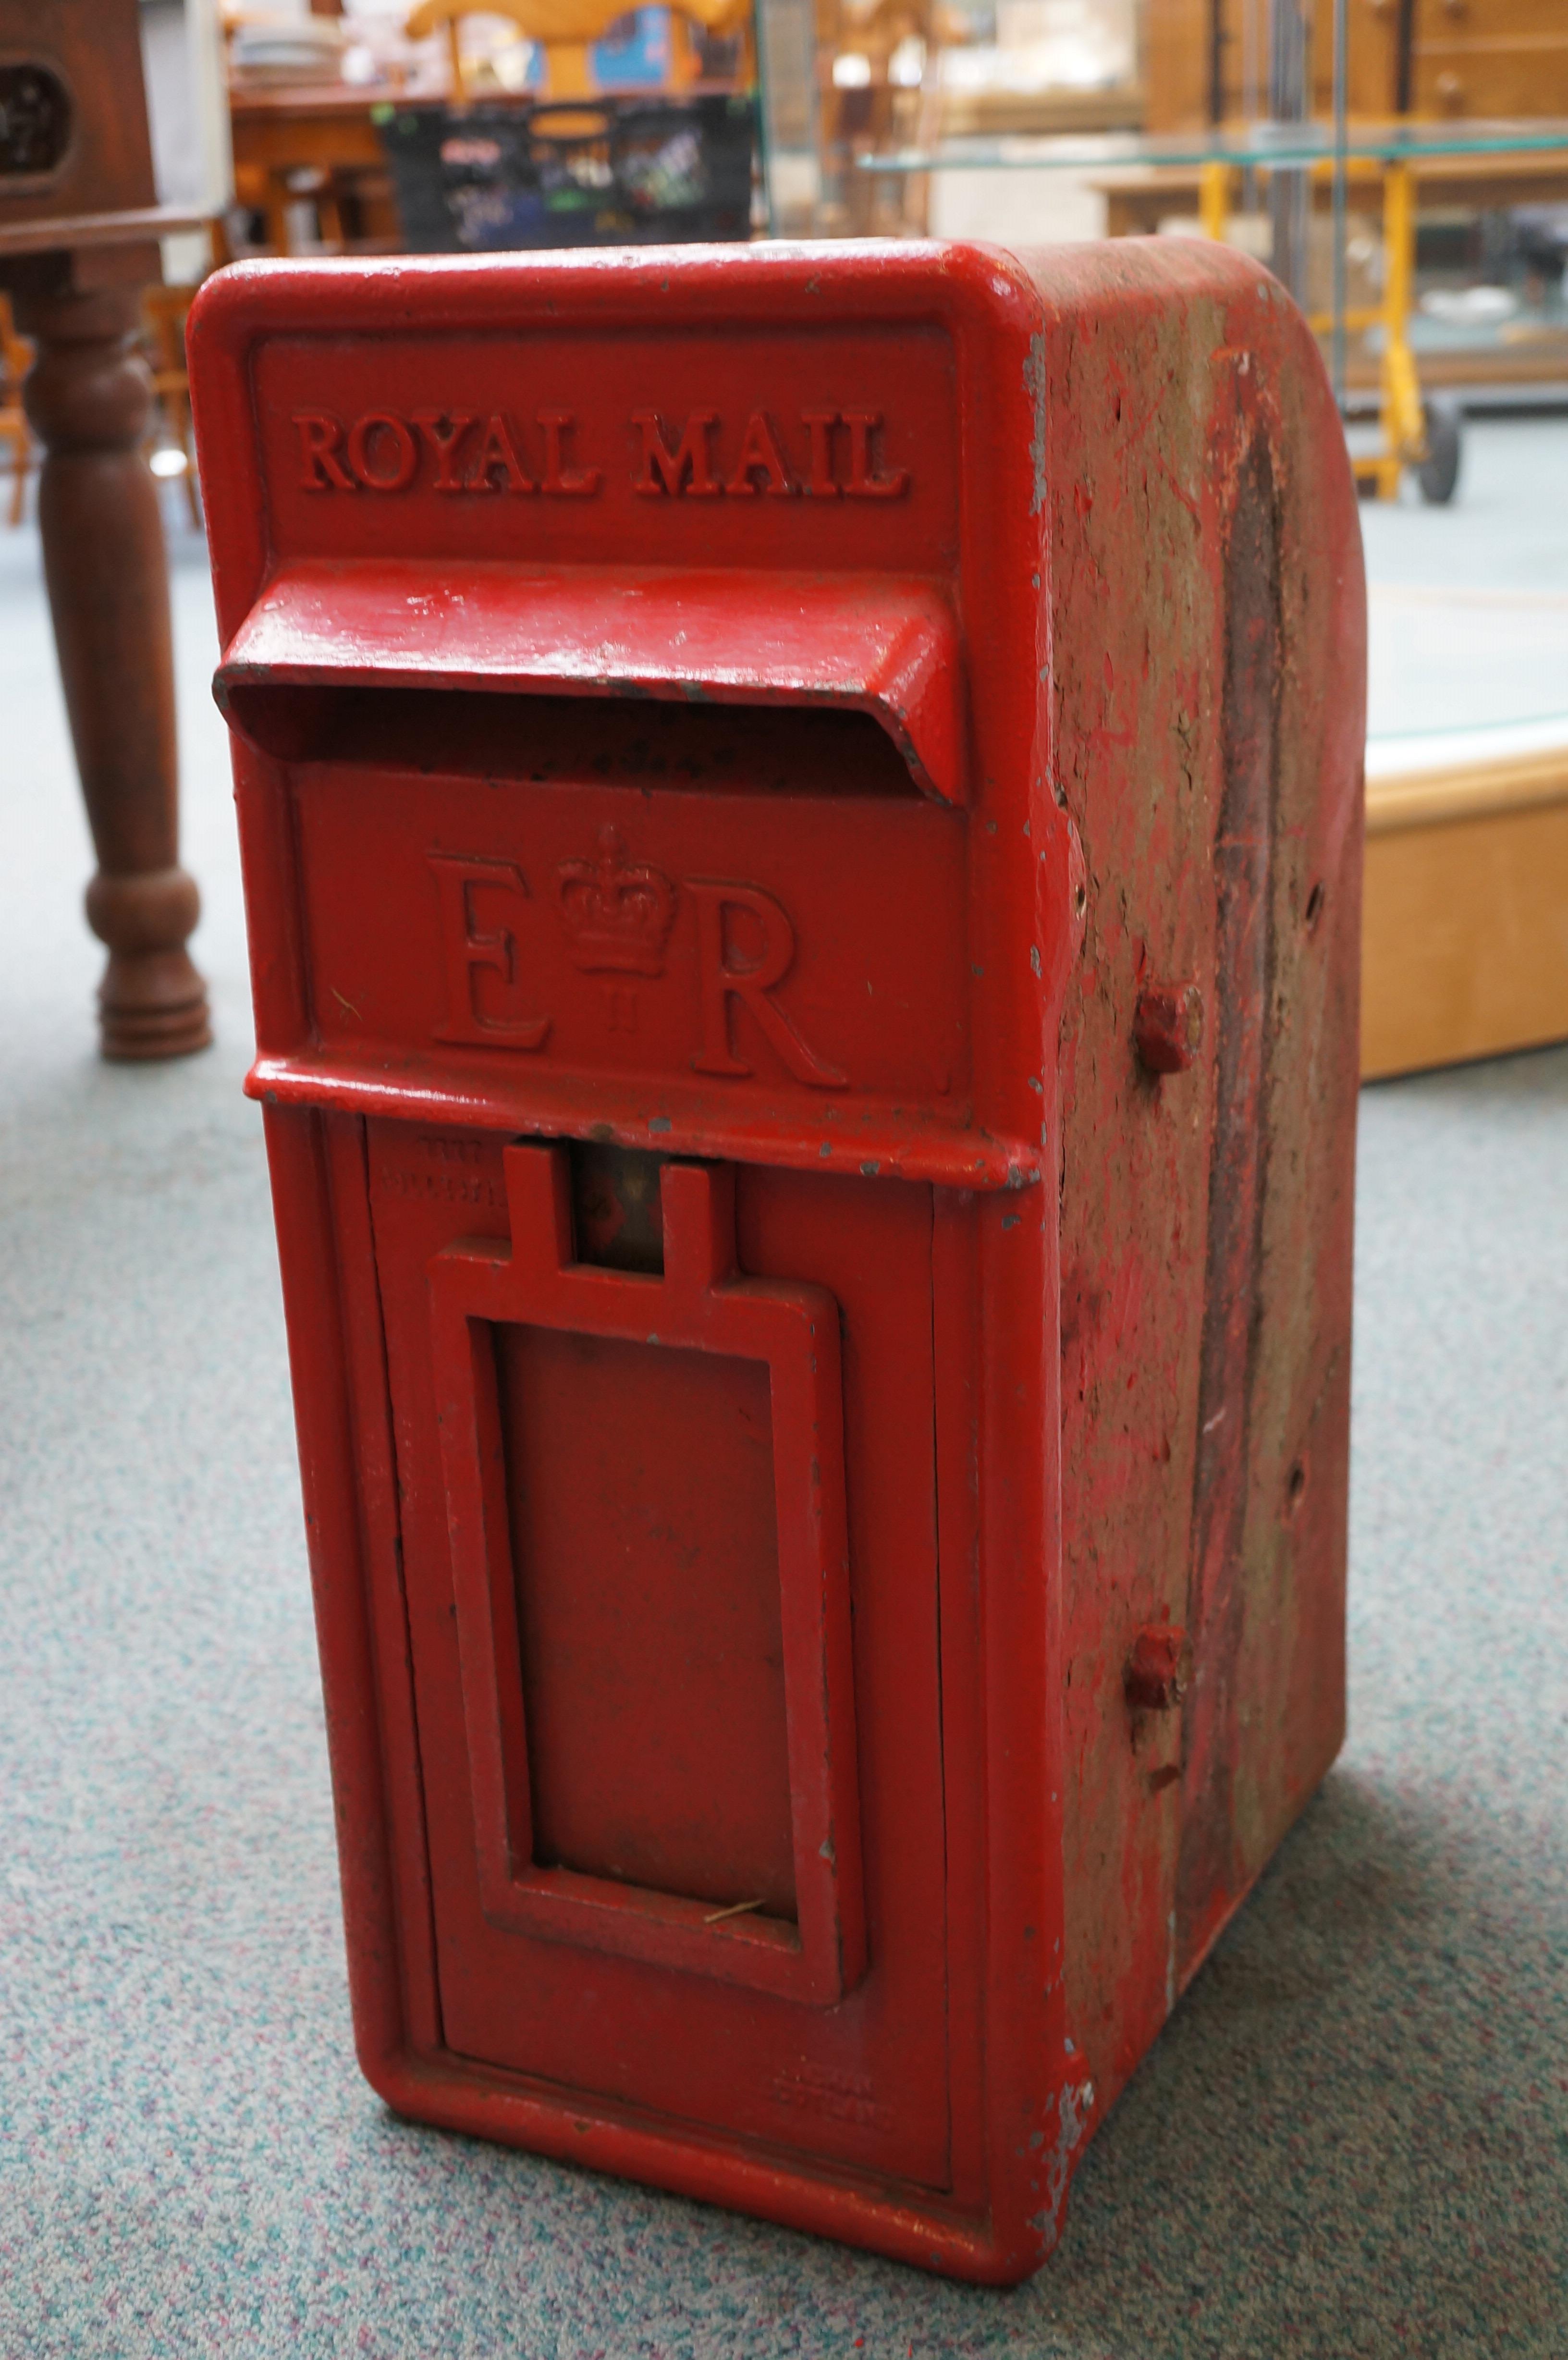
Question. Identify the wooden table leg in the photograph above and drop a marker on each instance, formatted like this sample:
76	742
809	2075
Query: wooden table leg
88	396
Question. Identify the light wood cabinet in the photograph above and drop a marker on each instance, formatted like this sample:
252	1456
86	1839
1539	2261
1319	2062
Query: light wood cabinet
1469	57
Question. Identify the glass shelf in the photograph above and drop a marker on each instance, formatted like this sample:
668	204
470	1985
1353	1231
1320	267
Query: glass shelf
1262	147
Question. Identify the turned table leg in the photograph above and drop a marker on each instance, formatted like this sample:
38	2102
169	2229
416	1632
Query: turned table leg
88	396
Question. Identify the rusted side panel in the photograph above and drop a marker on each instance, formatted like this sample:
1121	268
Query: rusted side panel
1290	1636
1208	752
1243	860
1269	1686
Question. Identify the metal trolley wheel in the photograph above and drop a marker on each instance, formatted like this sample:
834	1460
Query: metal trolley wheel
1438	473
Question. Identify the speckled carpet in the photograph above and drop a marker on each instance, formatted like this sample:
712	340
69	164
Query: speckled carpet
1353	2139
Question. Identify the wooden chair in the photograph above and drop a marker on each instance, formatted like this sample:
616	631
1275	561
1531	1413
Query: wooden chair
16	360
165	311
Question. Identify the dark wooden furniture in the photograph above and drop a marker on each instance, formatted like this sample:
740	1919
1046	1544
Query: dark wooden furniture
79	224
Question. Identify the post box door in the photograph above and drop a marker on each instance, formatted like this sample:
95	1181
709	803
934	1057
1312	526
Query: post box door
678	1704
668	1538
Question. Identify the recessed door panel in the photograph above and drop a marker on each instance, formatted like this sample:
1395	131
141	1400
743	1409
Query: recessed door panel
647	1883
640	1507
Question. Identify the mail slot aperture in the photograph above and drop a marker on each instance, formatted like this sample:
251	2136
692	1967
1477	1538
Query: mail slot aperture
651	745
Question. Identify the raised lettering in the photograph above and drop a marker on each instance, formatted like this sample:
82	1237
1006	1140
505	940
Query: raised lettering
498	450
381	453
443	429
561	481
727	974
406	452
865	483
470	948
819	424
760	455
664	469
321	439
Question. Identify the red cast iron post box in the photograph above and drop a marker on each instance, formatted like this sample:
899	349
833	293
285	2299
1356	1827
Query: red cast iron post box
801	827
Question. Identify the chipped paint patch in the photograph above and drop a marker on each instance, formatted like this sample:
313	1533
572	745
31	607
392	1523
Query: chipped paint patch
1075	2107
1034	386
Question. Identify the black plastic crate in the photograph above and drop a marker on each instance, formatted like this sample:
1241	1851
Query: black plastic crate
599	171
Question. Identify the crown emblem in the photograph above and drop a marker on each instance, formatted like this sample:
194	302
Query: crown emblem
617	914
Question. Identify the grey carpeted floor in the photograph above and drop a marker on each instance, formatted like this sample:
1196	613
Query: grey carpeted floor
1353	2139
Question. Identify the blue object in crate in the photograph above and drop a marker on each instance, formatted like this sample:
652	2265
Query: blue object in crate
638	60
